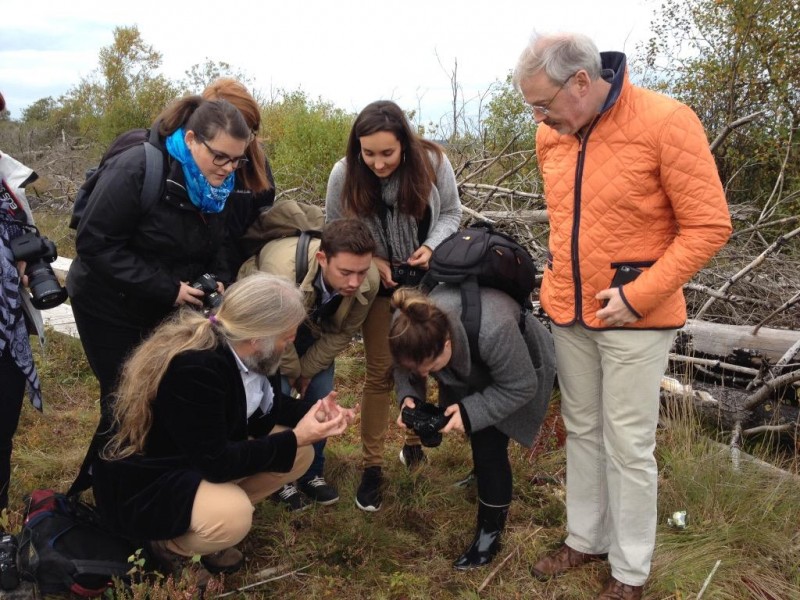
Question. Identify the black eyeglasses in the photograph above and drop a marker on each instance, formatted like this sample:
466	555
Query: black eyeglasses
545	109
220	159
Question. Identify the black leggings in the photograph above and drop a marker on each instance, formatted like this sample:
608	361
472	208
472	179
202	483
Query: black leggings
107	345
492	467
12	391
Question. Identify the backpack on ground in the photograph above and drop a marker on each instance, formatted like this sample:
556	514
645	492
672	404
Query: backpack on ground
286	218
64	547
478	256
153	171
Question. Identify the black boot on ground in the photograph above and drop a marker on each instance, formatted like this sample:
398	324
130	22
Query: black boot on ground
486	544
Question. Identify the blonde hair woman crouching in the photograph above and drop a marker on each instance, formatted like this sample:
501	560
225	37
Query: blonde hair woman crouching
202	433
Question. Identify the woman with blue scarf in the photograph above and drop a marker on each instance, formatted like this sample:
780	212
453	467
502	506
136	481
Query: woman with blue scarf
135	265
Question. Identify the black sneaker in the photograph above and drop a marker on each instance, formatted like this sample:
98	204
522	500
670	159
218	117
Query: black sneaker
319	490
368	496
412	456
294	500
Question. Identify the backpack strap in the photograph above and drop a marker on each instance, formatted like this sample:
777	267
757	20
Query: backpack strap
153	172
471	314
301	257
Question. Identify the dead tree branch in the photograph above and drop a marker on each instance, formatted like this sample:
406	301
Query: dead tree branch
728	129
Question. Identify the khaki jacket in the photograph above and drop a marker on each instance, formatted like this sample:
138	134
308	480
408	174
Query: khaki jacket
278	257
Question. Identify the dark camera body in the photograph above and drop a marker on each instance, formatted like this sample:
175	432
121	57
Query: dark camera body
426	420
9	574
39	252
207	283
404	274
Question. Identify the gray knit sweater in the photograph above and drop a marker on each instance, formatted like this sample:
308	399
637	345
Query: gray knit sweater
443	201
512	389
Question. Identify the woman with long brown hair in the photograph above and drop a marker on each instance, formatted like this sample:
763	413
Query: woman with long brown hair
404	188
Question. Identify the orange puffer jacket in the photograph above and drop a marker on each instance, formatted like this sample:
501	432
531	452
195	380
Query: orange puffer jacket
640	189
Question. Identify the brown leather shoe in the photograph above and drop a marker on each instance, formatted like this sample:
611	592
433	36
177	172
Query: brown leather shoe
562	560
616	590
226	561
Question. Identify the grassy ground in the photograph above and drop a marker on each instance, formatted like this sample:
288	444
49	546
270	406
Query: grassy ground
747	519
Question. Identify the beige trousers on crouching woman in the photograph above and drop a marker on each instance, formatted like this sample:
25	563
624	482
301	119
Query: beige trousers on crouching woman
222	513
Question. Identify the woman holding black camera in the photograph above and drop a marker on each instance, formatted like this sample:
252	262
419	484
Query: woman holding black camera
135	264
503	393
404	189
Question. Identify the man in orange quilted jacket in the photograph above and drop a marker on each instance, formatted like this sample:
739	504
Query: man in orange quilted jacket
636	208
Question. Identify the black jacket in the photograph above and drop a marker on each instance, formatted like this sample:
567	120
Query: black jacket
243	208
130	262
199	432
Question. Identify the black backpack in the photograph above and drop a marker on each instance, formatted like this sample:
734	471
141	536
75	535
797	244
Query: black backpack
153	171
478	256
64	547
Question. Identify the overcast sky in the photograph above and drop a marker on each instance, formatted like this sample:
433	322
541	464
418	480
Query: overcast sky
349	52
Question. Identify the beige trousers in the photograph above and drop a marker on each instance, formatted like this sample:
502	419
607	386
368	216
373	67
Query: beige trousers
609	382
379	384
222	513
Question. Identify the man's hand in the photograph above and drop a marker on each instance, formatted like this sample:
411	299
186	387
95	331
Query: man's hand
616	313
318	424
300	385
421	257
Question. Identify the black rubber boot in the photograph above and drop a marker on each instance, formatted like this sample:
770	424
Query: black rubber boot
486	544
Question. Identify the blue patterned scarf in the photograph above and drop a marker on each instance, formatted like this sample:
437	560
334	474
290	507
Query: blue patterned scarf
13	332
206	197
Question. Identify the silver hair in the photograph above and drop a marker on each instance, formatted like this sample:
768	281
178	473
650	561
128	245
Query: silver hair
260	306
560	55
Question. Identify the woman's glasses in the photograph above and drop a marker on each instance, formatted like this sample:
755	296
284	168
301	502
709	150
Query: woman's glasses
221	159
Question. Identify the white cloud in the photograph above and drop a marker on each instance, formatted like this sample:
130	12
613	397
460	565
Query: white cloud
348	52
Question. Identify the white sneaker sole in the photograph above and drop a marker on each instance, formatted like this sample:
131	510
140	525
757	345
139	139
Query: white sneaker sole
368	508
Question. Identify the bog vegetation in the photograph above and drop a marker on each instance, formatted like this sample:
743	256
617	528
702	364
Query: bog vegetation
734	62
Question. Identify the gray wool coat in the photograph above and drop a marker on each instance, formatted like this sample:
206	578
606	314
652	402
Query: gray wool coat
512	389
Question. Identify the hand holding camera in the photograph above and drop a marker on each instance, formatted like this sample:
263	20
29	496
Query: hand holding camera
38	252
207	283
426	420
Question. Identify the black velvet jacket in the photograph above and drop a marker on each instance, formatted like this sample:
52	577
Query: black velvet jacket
199	431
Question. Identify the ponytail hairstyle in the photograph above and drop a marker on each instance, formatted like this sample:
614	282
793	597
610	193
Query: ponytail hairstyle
419	330
362	188
259	306
205	117
254	173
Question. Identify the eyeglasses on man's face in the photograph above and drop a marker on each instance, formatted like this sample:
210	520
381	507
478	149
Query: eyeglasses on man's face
221	159
545	108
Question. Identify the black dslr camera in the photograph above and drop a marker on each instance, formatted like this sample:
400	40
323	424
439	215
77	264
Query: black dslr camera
207	283
426	420
39	252
9	575
404	274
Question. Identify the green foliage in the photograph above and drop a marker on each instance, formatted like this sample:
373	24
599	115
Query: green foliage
304	138
124	92
728	59
509	120
198	76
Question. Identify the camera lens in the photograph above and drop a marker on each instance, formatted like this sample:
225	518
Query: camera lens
46	291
